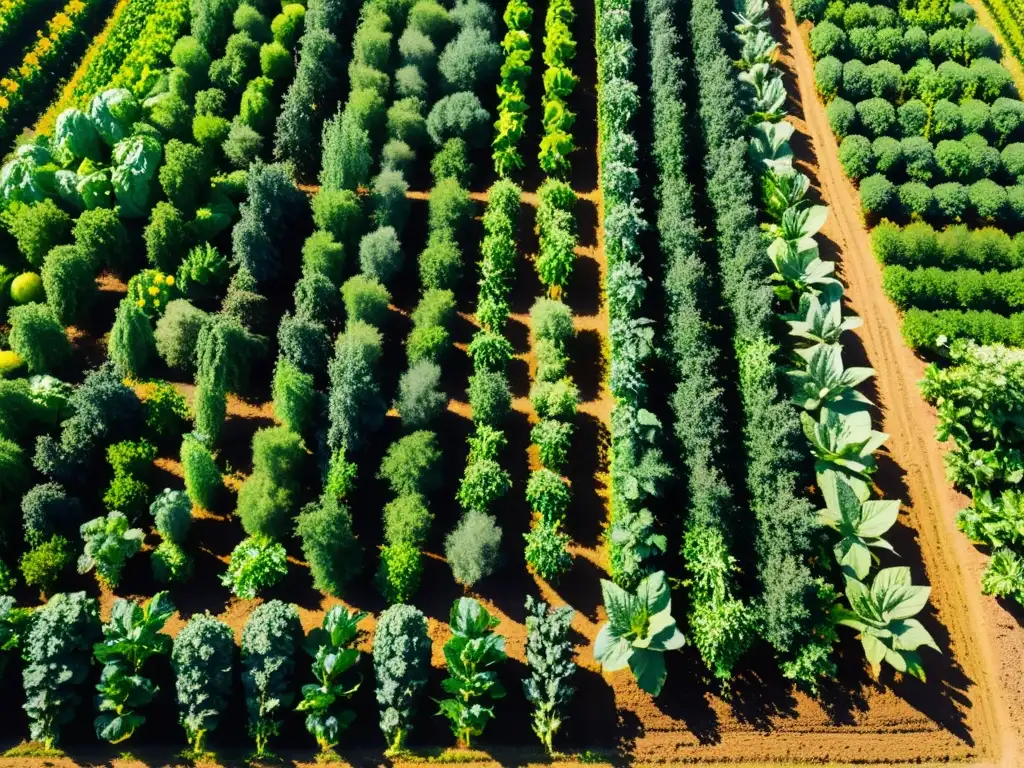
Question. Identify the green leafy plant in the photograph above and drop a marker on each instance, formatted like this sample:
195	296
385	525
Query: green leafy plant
337	679
269	641
130	638
883	615
470	655
639	630
549	657
256	563
401	661
202	657
1004	576
843	440
109	542
859	521
823	379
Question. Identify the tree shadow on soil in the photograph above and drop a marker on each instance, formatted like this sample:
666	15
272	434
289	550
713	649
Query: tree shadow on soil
585	472
587	364
583	293
687	699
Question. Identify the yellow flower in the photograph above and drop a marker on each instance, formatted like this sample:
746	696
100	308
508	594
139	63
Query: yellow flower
44	45
32	59
4	103
140	303
8	85
156	303
170	279
154	291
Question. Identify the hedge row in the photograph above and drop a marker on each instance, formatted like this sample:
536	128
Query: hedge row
921	245
933	288
719	622
636	465
922	329
773	438
871	44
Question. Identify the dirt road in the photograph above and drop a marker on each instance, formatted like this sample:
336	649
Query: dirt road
987	643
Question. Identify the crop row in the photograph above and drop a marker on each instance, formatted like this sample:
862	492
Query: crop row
1007	14
559	83
515	72
12	13
25	86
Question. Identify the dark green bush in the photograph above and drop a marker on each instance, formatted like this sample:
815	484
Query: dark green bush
47	510
489	397
876	116
810	10
954	160
947	43
915	43
203	481
38	338
891	46
856	157
37	228
979	43
411	464
992	77
100	233
329	544
932	288
1006	116
974	116
988	199
856	83
863	43
459	116
1012	158
951	200
916	199
876	195
946	121
828	77
913	117
842	117
885	80
470	60
888	154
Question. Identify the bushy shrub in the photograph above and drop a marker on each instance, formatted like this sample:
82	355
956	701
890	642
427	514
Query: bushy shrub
46	511
69	282
890	46
191	56
947	43
483	483
552	438
489	397
322	253
862	42
915	43
876	195
992	78
338	212
946	119
809	10
270	641
473	548
203	481
131	342
287	25
407	520
37	337
167	237
267	497
440	262
827	40
212	102
913	117
954	160
1006	116
988	199
401	566
951	200
451	161
328	544
459	116
856	157
876	116
365	299
257	105
918	158
101	235
355	406
43	564
842	117
242	146
546	551
916	199
856	83
380	254
548	494
294	396
469	60
316	298
888	154
828	77
979	43
555	399
410	465
304	342
177	334
37	228
420	397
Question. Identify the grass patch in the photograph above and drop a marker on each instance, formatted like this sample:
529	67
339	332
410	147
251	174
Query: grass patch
33	749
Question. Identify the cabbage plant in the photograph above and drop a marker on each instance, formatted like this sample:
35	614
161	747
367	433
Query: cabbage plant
109	542
640	628
883	615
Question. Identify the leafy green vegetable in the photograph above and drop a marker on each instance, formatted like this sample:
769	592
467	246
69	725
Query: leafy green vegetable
109	542
549	656
75	138
136	160
112	113
640	628
859	521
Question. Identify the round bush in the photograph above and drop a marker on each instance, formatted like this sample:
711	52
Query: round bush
397	156
430	18
409	83
1015	202
440	262
947	43
876	195
842	117
190	55
28	287
835	11
321	253
365	300
210	132
243	145
1012	158
47	510
913	117
1006	117
809	10
946	121
473	549
887	153
916	199
913	78
918	158
974	116
856	157
988	199
828	77
380	254
489	397
69	282
891	46
856	83
915	43
885	79
876	117
177	334
390	203
459	116
420	397
469	60
212	101
992	78
417	49
253	23
862	43
951	200
954	160
858	15
979	43
276	62
37	228
286	27
986	159
827	40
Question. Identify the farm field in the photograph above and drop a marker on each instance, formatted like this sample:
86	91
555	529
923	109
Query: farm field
363	361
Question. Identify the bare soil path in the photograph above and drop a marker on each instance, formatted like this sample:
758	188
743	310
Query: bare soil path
986	643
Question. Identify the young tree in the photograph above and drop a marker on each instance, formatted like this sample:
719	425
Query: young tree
473	548
549	656
294	396
347	156
269	642
401	661
203	480
356	406
329	544
202	657
131	342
